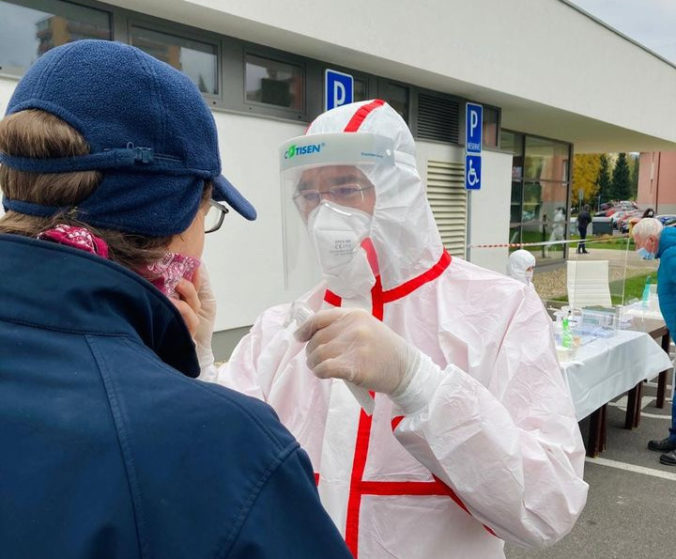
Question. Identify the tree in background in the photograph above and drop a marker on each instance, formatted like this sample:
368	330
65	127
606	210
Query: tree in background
586	168
603	180
633	160
621	183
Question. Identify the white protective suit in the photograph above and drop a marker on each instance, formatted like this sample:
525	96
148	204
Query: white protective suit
490	451
519	262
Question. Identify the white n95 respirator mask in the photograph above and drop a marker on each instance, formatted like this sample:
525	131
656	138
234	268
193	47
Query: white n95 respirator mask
336	233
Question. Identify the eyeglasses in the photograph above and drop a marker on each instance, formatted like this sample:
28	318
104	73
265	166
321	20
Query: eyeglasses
344	194
214	217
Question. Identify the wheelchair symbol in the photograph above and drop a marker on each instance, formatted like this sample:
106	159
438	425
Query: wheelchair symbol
472	176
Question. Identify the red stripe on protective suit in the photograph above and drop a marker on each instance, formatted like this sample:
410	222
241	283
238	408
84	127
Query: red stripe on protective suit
359	487
354	500
332	299
396	421
358	117
377	302
405	288
401	290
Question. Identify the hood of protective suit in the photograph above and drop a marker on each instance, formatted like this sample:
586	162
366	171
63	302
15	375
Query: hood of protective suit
519	262
403	231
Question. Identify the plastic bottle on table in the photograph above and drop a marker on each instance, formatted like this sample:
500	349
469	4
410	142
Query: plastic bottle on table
566	335
645	299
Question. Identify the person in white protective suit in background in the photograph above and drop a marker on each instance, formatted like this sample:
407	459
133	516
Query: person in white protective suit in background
521	265
474	438
558	229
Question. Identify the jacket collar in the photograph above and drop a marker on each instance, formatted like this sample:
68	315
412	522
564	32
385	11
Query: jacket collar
57	288
667	240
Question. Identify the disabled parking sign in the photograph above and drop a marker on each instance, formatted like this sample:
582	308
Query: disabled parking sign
473	139
472	172
338	89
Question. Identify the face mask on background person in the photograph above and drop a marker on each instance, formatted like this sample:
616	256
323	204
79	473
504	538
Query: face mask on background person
645	254
336	233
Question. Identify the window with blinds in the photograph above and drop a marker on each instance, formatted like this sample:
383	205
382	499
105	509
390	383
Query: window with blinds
438	119
448	198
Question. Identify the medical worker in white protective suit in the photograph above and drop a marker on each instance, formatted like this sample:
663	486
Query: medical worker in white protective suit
474	439
521	266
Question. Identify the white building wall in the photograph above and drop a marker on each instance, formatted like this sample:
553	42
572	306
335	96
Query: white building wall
6	88
246	259
554	71
489	212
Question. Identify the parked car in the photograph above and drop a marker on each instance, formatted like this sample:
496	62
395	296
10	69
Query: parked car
623	221
618	216
665	218
624	205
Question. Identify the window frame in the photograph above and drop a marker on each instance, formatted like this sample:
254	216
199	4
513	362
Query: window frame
231	55
135	19
51	7
383	82
248	55
234	63
523	180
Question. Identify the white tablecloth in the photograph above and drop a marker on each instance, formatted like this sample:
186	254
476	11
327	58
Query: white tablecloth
637	310
607	367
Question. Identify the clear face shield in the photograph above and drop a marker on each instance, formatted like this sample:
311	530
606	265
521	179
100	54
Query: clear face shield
329	187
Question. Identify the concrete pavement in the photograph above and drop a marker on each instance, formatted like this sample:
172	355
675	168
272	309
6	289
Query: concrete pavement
631	507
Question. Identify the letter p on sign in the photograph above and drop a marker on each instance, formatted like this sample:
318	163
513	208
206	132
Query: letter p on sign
338	89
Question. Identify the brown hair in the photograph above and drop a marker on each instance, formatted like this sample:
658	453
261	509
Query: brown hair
35	133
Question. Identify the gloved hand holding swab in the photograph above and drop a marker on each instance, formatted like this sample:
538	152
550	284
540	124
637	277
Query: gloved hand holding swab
300	314
353	345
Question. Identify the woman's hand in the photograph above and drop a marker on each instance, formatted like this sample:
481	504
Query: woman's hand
189	304
197	305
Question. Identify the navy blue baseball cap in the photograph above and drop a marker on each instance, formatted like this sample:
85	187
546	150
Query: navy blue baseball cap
150	133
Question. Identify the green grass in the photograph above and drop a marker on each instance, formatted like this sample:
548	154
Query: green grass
607	242
600	241
633	288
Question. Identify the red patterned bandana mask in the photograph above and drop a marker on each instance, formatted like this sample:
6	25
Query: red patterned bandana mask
164	274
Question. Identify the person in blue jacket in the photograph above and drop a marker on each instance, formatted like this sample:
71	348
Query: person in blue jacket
652	240
110	448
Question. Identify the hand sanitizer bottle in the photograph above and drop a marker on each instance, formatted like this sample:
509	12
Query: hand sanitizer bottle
566	335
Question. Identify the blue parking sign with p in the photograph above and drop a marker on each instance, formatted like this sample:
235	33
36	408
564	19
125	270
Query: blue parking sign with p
473	127
338	89
472	172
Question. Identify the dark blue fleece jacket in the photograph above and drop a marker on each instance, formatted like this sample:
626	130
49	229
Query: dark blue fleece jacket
110	450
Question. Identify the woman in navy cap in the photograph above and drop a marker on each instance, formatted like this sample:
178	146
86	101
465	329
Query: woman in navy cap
110	177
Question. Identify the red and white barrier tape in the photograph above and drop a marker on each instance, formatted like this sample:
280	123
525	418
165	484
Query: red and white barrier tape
544	243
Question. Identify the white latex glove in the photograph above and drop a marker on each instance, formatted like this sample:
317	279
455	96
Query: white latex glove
207	317
351	344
